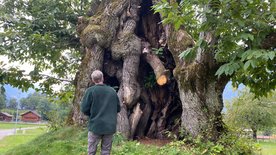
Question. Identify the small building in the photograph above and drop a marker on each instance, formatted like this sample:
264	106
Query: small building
5	117
30	116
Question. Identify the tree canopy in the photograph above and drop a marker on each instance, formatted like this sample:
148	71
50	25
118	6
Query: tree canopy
41	33
245	37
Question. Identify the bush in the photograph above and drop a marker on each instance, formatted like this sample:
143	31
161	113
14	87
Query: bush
56	120
232	143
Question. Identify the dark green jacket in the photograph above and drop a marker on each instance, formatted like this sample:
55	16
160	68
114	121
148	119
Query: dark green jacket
101	104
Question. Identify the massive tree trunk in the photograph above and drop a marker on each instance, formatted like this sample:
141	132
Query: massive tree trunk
154	88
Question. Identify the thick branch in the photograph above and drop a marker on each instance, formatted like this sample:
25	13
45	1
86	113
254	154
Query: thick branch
58	79
161	74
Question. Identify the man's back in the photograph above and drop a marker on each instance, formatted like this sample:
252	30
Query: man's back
101	104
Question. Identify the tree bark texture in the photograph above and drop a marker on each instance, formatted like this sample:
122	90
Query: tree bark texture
118	36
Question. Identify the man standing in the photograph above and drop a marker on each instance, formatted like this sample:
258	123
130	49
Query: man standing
101	104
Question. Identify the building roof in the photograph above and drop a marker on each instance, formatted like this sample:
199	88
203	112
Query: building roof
34	112
7	114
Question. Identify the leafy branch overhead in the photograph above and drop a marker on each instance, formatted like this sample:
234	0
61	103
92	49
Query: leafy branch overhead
245	36
43	34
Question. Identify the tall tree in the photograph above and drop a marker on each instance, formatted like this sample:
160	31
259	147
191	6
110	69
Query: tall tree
248	112
138	51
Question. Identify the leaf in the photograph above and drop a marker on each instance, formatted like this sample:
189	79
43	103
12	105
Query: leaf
177	24
247	36
246	65
224	69
271	55
188	54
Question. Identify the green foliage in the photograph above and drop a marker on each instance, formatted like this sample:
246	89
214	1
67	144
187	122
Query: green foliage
150	80
158	51
41	33
230	143
240	28
58	116
2	98
248	112
2	102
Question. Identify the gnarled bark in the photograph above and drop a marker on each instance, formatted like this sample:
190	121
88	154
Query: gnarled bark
117	29
93	60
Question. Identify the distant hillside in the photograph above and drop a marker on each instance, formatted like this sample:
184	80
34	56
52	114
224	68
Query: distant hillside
16	93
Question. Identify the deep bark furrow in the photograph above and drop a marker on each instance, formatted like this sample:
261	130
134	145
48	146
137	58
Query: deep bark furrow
145	115
134	119
123	125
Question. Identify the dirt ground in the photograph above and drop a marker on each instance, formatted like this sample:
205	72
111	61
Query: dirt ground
157	142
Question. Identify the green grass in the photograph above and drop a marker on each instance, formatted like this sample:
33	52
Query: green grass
6	125
268	147
73	141
12	141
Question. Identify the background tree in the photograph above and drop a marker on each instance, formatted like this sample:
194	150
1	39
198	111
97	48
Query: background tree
2	102
12	104
248	112
31	101
2	98
39	102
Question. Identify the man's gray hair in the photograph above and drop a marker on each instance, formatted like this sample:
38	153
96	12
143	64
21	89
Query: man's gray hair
97	76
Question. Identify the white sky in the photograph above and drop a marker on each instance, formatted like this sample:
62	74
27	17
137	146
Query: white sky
27	68
24	66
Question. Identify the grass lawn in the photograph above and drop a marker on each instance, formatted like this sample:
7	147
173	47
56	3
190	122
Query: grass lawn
73	141
268	147
6	125
12	141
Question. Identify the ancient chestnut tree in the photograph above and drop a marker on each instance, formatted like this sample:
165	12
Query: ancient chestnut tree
168	59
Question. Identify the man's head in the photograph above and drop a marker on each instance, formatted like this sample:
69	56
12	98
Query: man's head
97	77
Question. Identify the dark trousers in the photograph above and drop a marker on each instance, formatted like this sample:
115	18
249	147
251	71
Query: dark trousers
93	141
